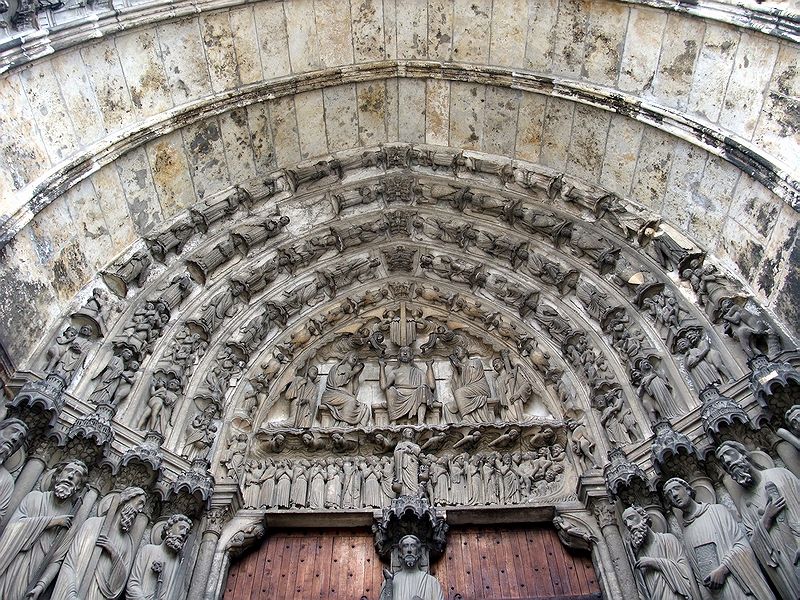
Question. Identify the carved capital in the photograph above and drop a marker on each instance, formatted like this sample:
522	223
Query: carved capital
216	519
605	513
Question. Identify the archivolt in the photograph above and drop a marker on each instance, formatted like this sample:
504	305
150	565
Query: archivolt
589	279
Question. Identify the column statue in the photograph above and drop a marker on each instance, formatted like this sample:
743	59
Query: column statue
37	534
155	574
722	560
12	434
410	582
769	504
660	560
409	390
102	552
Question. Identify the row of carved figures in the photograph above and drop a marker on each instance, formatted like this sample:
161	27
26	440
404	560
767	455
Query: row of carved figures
371	482
49	539
722	555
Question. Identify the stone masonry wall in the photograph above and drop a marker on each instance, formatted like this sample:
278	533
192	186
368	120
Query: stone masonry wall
77	104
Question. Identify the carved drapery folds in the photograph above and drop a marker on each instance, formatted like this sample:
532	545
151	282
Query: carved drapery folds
462	332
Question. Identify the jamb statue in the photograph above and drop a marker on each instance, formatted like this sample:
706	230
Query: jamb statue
769	504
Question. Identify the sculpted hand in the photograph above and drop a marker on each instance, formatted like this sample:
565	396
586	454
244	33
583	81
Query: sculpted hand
716	579
106	545
772	509
61	521
36	591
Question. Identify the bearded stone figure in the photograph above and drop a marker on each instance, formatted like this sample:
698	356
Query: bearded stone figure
12	434
660	560
101	554
37	534
409	389
410	582
156	570
769	504
722	560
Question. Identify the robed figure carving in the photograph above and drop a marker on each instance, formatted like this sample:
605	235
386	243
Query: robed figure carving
12	434
101	555
301	392
37	535
769	504
409	390
341	388
156	571
722	561
406	465
470	389
660	559
410	582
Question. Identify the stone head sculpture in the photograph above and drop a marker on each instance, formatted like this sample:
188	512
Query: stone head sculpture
734	459
12	434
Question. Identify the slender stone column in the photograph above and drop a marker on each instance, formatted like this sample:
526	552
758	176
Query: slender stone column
606	517
214	522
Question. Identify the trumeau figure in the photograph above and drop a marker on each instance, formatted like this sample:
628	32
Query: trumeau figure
340	392
37	536
660	559
722	560
156	570
301	392
769	504
409	390
12	435
406	465
410	582
470	389
102	551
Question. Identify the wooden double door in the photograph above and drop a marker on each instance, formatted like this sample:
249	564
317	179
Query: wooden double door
501	563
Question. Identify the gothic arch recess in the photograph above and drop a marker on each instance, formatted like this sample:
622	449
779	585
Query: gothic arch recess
252	346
